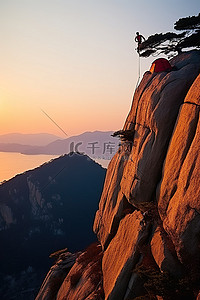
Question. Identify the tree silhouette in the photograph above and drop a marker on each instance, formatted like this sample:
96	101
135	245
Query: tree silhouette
170	43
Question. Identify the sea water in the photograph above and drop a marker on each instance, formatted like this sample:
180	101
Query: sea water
12	164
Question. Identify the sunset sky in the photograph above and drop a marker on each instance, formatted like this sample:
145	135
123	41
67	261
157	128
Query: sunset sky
75	60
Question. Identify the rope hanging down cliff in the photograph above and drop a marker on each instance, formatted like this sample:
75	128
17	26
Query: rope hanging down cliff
138	72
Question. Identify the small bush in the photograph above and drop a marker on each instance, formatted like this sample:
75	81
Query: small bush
124	135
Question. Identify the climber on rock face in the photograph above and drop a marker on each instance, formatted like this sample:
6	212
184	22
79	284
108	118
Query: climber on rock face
139	39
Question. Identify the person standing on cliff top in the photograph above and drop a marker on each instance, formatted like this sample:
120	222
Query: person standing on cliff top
138	39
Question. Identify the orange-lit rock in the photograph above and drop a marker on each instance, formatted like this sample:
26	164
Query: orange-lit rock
55	276
164	253
113	202
148	221
84	281
152	116
179	195
121	256
133	176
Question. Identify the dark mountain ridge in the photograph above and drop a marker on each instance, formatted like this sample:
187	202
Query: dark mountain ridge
44	209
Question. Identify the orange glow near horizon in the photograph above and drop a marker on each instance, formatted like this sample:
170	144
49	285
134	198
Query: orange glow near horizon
76	61
27	116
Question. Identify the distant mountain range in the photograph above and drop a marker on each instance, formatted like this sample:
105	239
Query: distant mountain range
97	144
36	139
44	210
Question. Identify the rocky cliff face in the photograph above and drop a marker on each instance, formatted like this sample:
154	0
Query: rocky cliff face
148	221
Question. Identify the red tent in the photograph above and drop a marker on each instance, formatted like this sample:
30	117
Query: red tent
160	65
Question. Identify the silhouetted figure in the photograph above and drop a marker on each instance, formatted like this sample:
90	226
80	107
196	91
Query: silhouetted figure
138	39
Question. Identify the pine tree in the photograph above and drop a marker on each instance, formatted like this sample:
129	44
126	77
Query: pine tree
170	43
